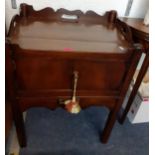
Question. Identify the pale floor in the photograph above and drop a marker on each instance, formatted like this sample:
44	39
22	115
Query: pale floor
13	147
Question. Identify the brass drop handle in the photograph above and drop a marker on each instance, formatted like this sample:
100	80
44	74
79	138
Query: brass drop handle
76	76
72	105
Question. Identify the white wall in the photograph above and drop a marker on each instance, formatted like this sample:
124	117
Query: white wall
139	8
99	6
9	12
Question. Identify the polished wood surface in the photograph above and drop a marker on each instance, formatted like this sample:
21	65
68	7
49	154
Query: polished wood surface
8	110
45	51
59	35
8	120
140	35
62	36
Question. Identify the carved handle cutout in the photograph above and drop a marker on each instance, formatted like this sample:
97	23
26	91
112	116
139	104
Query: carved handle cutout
71	18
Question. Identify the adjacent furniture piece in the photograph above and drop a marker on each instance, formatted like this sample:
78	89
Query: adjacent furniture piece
48	47
140	35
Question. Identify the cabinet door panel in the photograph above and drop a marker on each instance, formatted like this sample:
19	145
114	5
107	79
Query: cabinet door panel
43	73
95	75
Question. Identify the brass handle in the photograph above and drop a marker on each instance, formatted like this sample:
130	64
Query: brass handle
76	76
72	105
75	80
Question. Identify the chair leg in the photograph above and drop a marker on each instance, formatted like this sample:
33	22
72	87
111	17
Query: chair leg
20	128
109	126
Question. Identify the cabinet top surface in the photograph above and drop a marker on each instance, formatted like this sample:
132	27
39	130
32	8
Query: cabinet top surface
36	32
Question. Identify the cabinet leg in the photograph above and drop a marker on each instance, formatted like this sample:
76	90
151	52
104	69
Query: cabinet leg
20	128
109	126
136	86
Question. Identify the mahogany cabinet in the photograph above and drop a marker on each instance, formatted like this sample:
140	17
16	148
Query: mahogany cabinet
47	47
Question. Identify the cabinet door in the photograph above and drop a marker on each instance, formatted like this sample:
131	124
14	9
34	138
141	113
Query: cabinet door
43	73
100	75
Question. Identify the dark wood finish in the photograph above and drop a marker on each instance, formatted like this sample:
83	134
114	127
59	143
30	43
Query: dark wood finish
46	49
8	119
8	110
11	93
141	35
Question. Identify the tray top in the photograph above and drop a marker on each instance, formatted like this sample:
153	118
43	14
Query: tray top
38	33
